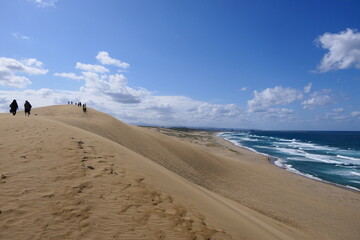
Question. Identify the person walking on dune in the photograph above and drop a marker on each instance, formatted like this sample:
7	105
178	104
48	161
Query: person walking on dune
27	107
84	107
14	107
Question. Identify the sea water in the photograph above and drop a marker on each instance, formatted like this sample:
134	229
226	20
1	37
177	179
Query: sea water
323	155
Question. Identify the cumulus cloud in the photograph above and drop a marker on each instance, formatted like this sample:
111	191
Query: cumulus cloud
265	100
91	68
317	99
29	66
97	81
243	89
11	68
344	50
114	86
45	3
104	58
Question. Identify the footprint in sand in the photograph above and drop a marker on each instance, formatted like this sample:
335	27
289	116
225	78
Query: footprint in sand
90	167
3	179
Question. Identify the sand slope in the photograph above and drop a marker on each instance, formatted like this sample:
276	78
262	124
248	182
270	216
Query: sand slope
67	175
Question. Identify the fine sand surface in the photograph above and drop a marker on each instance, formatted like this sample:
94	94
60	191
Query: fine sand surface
69	175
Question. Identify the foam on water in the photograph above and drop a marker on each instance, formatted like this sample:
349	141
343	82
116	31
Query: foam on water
317	155
355	173
349	158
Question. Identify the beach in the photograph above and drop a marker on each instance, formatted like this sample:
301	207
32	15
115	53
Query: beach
70	175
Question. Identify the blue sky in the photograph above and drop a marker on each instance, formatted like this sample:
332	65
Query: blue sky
220	63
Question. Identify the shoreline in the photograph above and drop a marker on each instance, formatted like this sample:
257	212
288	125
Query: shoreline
272	160
249	179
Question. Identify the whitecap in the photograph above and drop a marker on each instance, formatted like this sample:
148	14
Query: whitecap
355	173
349	158
321	158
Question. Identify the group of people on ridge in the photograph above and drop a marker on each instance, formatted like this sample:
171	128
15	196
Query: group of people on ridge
27	106
14	107
79	105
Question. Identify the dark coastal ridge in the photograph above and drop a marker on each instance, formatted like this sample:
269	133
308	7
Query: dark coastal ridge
215	129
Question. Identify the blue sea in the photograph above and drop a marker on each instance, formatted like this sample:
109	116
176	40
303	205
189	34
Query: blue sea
323	155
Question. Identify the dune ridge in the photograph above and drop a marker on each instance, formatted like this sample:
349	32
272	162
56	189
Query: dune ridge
69	175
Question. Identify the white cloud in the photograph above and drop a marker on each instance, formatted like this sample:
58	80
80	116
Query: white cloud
243	89
214	111
338	110
45	3
91	68
29	66
307	88
318	99
20	36
9	68
69	75
355	114
9	79
114	86
263	101
344	50
104	58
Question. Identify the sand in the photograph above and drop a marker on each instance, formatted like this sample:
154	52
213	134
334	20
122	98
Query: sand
69	175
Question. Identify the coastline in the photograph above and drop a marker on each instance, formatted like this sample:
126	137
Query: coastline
253	181
273	160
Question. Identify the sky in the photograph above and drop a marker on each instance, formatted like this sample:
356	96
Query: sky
259	64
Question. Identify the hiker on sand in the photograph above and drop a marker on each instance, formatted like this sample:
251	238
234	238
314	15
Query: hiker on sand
27	107
84	107
14	107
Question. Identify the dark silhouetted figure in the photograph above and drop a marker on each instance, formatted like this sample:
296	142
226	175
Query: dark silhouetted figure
84	107
14	107
27	107
68	102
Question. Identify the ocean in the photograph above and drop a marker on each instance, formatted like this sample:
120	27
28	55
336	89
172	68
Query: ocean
330	156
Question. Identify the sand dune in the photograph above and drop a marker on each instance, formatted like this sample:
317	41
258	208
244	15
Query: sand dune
69	175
